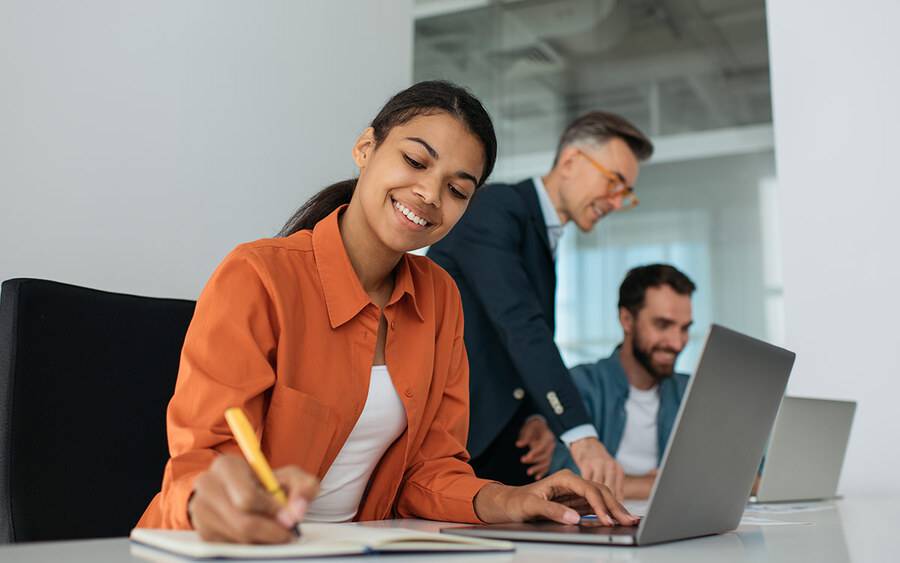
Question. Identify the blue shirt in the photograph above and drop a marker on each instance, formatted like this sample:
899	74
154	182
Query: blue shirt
604	389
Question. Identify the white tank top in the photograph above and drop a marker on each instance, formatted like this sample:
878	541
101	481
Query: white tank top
381	422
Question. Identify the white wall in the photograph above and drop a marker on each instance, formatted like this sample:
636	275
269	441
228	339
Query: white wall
140	141
836	97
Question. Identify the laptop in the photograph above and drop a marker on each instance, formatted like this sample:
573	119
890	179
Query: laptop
712	457
806	451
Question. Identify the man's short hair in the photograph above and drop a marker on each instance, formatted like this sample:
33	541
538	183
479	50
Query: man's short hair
598	127
638	280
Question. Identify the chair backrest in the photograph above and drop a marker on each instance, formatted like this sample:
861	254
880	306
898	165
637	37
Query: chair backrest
85	378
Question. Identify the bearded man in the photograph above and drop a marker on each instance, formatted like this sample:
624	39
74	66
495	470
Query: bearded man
633	396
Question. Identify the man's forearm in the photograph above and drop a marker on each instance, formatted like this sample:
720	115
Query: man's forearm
639	486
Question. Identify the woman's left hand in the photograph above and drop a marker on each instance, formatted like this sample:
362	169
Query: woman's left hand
562	497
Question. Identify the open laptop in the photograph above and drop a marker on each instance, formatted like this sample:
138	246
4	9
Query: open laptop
711	459
806	451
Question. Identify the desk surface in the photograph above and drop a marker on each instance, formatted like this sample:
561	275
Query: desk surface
854	529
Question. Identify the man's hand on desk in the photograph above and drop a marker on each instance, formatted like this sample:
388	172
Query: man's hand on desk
562	497
540	441
595	464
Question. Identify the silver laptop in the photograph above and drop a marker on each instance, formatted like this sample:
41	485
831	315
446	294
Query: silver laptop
711	459
806	451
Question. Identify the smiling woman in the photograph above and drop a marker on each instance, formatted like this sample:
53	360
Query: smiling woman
347	354
435	99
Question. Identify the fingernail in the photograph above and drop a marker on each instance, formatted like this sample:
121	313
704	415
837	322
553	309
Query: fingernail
285	518
298	508
571	517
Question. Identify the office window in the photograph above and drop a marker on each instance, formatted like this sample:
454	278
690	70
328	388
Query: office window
694	75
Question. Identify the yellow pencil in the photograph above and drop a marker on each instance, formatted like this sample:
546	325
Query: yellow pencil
246	439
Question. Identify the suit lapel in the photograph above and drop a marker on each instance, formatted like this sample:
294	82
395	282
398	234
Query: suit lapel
526	191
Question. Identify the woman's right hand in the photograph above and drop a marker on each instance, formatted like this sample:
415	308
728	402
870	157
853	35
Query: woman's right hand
229	504
562	497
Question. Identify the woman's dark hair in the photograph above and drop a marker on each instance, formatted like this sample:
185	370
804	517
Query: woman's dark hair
423	98
638	280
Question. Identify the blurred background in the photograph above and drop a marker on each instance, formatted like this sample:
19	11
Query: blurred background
694	76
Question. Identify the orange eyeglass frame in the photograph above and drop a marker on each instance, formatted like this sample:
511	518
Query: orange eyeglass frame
620	189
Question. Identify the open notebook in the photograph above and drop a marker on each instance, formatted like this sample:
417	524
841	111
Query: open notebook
318	540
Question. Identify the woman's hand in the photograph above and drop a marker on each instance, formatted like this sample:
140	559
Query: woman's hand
229	504
562	497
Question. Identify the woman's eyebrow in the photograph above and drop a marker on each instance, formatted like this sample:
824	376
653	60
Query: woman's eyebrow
466	176
429	148
434	154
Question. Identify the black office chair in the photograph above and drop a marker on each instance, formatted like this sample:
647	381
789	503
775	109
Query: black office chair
85	377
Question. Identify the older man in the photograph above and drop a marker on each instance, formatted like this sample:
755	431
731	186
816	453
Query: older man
501	255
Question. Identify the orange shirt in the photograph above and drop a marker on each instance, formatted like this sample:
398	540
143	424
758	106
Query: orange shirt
285	330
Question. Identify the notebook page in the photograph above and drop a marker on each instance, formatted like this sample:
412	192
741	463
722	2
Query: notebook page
318	540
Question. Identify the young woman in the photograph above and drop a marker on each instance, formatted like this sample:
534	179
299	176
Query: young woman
347	354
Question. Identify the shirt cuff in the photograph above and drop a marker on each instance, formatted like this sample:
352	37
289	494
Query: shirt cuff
577	433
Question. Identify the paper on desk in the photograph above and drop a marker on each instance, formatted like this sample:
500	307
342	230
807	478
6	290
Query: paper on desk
757	521
751	517
787	508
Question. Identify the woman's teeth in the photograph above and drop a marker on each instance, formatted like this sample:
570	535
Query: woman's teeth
410	215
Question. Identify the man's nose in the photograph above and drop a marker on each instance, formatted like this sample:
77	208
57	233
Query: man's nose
676	340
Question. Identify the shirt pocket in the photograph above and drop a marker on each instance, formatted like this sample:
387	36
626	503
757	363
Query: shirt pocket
298	430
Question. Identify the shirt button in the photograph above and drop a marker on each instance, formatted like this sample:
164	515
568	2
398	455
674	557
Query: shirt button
408	392
518	393
393	325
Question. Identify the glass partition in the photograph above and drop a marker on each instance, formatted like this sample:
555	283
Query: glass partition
694	75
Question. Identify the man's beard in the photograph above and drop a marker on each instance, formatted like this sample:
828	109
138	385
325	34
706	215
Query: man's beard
643	357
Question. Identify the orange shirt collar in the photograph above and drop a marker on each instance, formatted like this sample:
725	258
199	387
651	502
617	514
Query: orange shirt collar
344	294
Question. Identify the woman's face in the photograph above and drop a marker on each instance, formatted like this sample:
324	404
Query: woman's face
417	183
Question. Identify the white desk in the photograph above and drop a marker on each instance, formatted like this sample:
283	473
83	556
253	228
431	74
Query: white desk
854	529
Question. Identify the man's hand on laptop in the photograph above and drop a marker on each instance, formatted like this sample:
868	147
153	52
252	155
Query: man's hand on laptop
595	464
562	497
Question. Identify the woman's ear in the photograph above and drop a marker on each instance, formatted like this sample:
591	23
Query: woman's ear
363	148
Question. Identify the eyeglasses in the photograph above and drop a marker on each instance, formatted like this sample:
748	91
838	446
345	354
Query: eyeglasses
618	187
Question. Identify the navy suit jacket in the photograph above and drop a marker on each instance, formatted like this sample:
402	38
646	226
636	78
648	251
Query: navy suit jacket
500	257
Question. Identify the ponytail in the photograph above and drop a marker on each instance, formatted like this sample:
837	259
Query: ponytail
318	207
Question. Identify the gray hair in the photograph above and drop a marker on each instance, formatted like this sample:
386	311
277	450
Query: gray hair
598	127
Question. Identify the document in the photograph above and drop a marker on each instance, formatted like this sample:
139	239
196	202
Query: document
318	540
788	508
758	521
